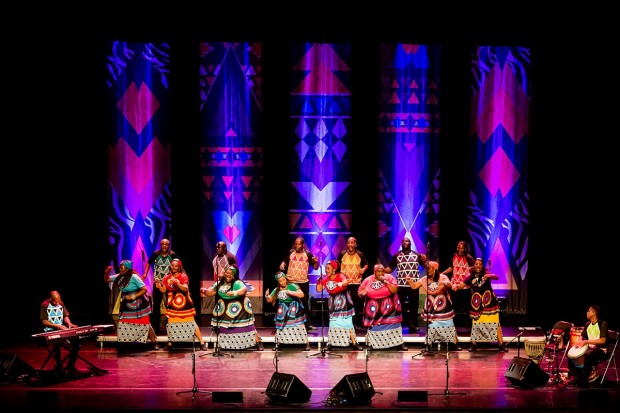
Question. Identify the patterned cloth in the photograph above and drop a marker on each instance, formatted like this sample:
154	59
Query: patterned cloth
233	318
180	309
406	263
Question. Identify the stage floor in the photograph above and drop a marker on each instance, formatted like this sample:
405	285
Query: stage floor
137	378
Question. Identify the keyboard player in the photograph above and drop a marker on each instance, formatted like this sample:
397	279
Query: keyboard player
55	316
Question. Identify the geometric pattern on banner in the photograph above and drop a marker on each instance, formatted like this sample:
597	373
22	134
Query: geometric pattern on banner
130	332
499	209
183	331
320	121
409	127
231	155
138	149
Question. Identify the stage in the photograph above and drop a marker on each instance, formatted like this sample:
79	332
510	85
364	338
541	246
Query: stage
133	377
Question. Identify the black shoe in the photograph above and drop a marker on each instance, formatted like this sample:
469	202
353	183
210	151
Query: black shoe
402	347
413	329
156	347
472	348
503	348
204	347
260	346
356	346
328	347
457	347
307	347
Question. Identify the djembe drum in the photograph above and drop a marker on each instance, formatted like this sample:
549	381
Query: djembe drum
535	348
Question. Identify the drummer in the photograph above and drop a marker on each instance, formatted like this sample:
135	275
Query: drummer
594	336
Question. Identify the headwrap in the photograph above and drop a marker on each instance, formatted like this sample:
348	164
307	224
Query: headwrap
279	275
334	264
127	264
233	269
378	267
179	261
433	264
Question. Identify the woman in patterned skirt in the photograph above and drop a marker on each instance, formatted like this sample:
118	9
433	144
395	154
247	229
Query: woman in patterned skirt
438	311
180	310
233	317
290	315
382	311
484	307
341	308
134	306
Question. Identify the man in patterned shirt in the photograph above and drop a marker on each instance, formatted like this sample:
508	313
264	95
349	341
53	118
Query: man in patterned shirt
407	262
353	264
462	261
160	261
297	265
222	260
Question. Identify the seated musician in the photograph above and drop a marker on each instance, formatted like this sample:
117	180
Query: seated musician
55	316
592	340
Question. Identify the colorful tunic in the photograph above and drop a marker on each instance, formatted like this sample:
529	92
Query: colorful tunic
484	309
438	311
290	316
180	309
382	313
297	266
133	320
233	317
341	311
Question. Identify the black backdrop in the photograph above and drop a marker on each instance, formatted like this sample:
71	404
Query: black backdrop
57	126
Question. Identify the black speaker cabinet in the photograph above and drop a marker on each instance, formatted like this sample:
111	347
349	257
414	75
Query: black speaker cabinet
287	388
11	366
524	372
354	389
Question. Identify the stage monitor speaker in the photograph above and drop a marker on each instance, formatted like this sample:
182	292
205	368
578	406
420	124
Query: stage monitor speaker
353	389
11	367
524	372
287	388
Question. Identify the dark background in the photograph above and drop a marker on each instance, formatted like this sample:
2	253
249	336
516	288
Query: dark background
57	128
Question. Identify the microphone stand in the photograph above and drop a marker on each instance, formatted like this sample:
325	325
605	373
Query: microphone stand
427	346
194	389
322	352
446	392
277	349
216	350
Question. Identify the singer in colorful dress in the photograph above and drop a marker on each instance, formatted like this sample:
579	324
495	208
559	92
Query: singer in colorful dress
438	311
341	308
290	315
233	317
382	311
484	306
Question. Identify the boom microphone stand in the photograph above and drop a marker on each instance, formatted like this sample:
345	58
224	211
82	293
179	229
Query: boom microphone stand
194	389
322	352
427	345
216	350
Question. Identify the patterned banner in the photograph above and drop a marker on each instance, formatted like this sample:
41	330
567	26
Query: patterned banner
409	140
138	151
231	158
320	122
498	218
